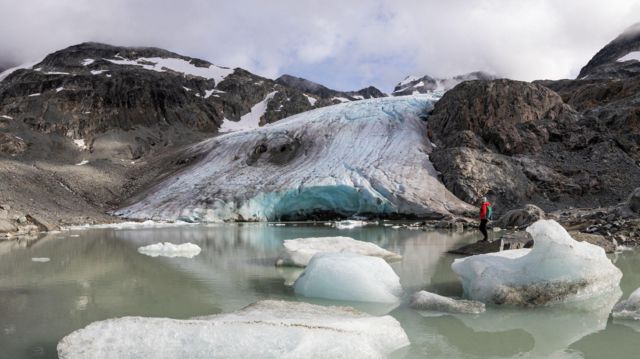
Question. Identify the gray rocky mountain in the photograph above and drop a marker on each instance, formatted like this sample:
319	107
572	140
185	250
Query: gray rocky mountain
91	124
413	85
618	59
556	144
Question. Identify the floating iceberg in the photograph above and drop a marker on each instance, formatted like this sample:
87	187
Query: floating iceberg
349	277
348	224
266	329
432	302
628	309
298	252
166	249
367	158
556	269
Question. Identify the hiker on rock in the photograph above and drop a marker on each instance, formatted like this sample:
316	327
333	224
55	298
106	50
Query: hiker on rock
486	212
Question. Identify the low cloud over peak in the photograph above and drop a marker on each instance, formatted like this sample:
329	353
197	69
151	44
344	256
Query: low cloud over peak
344	45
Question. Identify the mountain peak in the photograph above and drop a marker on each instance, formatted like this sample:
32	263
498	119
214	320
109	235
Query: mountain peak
427	84
620	58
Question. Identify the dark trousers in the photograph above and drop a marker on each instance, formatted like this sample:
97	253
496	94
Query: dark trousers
483	229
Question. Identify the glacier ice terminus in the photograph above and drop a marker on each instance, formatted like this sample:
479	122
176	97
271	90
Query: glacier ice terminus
368	158
349	277
557	269
266	329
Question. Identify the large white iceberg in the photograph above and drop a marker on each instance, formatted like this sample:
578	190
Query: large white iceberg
166	249
298	252
349	277
556	269
266	329
629	308
368	158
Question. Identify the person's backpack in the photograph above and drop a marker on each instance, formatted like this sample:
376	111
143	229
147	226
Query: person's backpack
489	212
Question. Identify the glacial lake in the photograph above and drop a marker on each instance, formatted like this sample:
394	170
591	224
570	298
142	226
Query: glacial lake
96	274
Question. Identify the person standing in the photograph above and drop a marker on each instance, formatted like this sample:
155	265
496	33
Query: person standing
485	215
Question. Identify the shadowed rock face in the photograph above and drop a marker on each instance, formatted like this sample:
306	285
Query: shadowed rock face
520	143
606	63
507	116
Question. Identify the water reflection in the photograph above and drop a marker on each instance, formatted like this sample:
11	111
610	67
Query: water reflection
98	274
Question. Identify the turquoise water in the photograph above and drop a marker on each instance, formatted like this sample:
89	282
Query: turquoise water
97	274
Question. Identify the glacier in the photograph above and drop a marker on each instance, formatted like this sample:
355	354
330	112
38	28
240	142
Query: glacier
557	269
349	277
298	252
368	158
266	329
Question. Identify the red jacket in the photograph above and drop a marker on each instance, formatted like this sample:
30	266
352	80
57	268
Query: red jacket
483	210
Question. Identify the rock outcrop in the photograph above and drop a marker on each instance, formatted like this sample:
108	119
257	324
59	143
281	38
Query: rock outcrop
520	218
521	143
618	59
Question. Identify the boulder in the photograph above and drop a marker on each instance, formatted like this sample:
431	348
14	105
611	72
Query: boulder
519	218
633	202
512	240
432	302
7	226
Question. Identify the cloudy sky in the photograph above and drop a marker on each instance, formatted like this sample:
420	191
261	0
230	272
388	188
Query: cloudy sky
344	44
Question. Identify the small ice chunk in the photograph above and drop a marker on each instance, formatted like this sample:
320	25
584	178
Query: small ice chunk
432	302
40	259
348	224
87	62
7	117
557	269
56	73
34	94
298	252
166	249
272	329
351	277
82	163
81	144
98	72
59	89
628	309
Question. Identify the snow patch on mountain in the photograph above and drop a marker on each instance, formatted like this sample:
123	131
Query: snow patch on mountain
366	157
185	67
634	55
251	120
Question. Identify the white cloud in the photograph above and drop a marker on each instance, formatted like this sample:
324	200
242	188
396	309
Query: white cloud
343	44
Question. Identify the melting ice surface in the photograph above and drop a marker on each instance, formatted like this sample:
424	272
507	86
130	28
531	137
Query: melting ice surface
350	277
166	249
97	274
298	252
359	158
556	269
267	329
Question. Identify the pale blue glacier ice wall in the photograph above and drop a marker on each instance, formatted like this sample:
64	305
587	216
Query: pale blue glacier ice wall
368	158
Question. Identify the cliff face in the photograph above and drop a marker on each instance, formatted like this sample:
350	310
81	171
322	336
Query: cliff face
521	143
